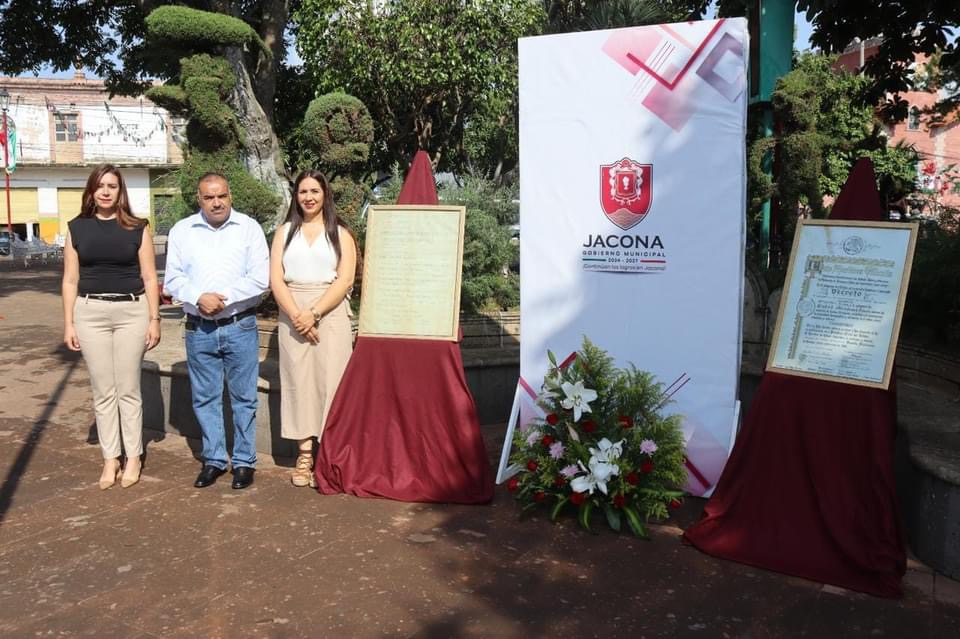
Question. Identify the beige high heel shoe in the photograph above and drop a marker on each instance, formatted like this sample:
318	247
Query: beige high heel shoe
130	477
111	471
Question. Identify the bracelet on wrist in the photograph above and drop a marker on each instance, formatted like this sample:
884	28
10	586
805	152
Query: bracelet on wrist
154	319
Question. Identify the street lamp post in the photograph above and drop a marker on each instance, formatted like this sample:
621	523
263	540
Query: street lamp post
4	105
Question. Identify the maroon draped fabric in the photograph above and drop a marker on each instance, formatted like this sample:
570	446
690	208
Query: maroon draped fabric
403	424
809	489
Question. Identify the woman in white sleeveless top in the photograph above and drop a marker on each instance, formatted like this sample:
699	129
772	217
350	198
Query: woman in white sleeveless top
312	266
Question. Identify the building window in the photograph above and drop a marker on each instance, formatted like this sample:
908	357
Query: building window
913	119
68	126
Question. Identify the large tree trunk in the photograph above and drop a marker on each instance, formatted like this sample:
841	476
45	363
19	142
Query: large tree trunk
273	20
260	147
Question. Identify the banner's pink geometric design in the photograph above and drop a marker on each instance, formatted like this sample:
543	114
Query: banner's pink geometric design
697	482
663	58
706	457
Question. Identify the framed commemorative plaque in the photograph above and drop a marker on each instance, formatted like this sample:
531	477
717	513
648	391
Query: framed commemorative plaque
411	272
842	302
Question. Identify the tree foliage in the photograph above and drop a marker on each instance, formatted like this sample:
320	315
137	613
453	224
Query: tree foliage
932	312
109	37
120	43
907	27
488	253
825	125
429	71
583	15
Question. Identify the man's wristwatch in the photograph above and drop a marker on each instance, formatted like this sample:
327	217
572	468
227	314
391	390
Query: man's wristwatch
316	316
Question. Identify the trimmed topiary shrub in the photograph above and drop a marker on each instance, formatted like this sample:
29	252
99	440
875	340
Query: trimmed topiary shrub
249	195
191	27
214	134
340	129
335	137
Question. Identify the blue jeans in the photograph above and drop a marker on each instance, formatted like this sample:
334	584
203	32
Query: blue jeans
212	352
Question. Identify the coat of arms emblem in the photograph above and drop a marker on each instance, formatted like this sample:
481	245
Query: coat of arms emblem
626	191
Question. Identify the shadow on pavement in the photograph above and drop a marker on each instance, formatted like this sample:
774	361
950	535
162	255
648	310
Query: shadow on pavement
22	461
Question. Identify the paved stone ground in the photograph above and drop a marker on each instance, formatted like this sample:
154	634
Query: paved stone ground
163	559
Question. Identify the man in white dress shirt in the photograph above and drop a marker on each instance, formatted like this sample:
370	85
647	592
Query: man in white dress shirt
218	266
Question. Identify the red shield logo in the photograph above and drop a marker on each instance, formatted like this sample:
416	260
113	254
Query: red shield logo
626	191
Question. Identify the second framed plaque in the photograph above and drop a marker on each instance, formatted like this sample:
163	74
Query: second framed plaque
411	272
842	303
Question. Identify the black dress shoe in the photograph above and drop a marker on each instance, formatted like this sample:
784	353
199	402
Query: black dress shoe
242	477
208	475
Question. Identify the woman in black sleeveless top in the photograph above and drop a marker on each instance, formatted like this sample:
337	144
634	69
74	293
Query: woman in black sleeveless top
111	314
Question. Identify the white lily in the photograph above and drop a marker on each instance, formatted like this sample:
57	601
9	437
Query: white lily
583	483
577	398
606	451
597	477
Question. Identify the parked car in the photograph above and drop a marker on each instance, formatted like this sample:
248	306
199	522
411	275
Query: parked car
5	242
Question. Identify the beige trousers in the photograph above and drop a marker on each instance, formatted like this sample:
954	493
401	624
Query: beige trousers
310	373
112	336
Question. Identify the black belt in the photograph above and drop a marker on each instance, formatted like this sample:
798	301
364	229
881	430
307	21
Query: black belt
114	297
222	321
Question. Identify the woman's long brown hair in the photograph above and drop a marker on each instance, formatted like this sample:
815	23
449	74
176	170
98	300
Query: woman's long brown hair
331	221
88	206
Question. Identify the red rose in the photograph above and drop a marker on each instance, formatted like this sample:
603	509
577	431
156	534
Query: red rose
532	465
539	495
625	421
619	501
632	479
674	503
577	498
559	481
512	484
589	426
646	467
547	440
552	419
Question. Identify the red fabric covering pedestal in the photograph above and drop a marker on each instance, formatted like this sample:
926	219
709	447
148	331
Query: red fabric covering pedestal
403	424
809	489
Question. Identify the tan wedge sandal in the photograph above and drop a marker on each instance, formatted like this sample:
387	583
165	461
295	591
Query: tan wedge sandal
302	474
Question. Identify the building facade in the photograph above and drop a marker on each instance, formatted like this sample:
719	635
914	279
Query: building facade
937	141
64	127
